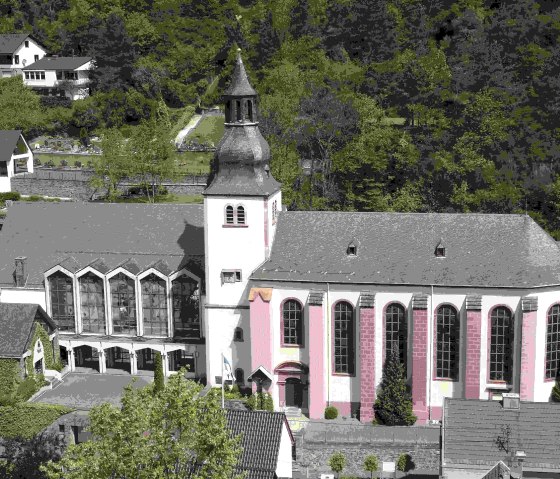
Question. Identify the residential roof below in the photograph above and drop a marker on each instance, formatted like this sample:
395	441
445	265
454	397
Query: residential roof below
473	430
58	63
167	237
16	321
481	250
9	42
8	143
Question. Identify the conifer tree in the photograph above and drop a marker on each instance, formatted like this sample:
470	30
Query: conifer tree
555	394
159	382
394	404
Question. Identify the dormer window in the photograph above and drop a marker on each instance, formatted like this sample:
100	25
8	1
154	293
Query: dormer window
440	250
352	249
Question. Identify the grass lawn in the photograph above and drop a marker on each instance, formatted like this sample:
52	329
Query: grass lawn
209	129
28	419
44	157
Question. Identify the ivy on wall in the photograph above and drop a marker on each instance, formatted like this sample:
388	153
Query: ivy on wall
9	378
52	360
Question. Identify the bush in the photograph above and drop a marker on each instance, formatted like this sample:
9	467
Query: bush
27	420
331	412
34	198
404	462
159	380
50	164
63	163
78	164
36	162
337	462
27	388
55	101
12	195
371	464
260	402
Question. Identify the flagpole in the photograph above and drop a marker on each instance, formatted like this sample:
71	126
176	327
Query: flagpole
223	381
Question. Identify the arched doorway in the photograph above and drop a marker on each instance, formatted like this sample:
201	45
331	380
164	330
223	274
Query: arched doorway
293	390
86	357
118	359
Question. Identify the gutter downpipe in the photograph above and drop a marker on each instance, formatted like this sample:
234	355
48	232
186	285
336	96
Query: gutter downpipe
430	346
328	346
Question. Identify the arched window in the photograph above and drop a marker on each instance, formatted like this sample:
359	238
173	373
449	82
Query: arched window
396	331
238	334
240	215
123	304
239	376
501	344
154	305
238	110
229	215
344	338
92	304
186	311
62	301
292	322
447	343
553	342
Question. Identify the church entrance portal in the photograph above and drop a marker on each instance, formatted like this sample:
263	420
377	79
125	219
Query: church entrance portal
294	393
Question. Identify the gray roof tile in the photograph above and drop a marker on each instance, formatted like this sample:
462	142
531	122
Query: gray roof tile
9	42
50	233
58	63
471	428
8	142
239	84
487	250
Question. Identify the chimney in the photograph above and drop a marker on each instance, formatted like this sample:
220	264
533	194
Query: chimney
510	401
20	274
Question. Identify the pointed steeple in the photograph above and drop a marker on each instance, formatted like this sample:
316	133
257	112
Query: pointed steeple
241	165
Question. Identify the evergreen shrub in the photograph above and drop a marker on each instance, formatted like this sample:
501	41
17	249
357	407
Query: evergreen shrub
331	412
159	380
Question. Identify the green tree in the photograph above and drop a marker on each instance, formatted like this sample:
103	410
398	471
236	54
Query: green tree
394	404
337	462
20	106
159	380
555	394
371	464
154	436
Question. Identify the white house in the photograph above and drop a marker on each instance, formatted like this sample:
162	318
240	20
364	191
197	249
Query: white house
15	157
17	51
61	76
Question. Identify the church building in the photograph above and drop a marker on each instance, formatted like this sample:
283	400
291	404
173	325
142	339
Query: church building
304	304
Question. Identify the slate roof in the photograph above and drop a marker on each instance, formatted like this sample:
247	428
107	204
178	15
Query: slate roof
9	42
75	235
471	428
16	321
482	250
58	63
8	142
262	432
239	84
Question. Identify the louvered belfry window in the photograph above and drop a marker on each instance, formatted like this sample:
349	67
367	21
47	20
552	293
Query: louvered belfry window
501	344
344	338
447	343
292	315
553	342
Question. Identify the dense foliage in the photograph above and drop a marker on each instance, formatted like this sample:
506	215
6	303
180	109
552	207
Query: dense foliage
394	403
371	464
337	462
9	380
159	378
396	105
28	419
168	434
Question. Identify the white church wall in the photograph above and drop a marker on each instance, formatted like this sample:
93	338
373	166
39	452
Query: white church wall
22	295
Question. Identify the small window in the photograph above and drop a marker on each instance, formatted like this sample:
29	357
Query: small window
240	215
440	250
26	43
16	59
3	168
239	376
27	75
61	428
352	249
231	276
229	215
59	75
36	58
238	335
42	75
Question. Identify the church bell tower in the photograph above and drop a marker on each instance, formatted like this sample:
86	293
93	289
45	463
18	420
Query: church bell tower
241	206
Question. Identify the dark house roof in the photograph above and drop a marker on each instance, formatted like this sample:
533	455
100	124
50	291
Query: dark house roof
58	63
8	143
473	428
262	432
167	237
9	42
16	326
486	250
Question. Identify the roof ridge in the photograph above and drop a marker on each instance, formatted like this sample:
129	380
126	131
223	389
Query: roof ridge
411	213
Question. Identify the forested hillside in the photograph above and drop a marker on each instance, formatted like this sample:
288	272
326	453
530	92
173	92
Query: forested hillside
399	105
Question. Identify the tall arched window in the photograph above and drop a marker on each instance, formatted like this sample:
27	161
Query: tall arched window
553	342
123	304
229	215
186	311
154	305
501	344
447	343
240	215
292	315
344	338
396	330
92	303
62	301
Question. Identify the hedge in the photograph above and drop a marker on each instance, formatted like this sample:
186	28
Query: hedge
9	379
28	419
